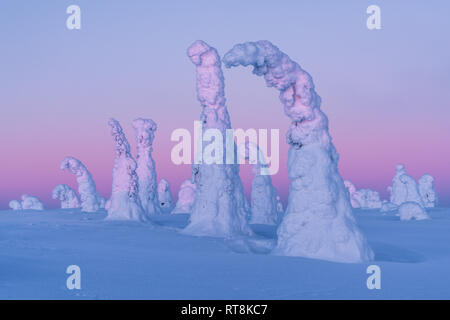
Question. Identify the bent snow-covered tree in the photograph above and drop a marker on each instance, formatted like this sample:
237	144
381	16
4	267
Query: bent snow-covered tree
220	207
145	134
124	203
67	196
90	200
318	222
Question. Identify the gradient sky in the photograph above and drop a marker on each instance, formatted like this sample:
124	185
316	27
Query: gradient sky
386	92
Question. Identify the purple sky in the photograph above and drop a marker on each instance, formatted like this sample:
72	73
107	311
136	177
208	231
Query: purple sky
386	92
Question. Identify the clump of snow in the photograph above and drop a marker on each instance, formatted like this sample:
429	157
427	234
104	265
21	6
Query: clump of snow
164	196
90	200
145	134
186	197
352	190
220	208
427	191
318	222
124	203
15	205
66	195
412	210
31	203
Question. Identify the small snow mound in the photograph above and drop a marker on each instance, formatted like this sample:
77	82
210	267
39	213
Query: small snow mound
412	210
15	205
387	206
31	203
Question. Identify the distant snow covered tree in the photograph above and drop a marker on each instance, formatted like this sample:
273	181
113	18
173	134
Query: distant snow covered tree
280	208
164	196
264	195
398	190
412	210
318	222
15	205
31	203
66	195
186	197
220	208
124	203
90	200
412	190
363	198
427	191
145	134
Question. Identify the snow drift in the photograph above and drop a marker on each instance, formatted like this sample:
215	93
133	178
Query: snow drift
318	222
220	208
124	203
145	134
90	200
66	195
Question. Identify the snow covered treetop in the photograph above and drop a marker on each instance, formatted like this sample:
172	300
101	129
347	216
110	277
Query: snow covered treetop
145	132
297	94
75	166
122	147
210	85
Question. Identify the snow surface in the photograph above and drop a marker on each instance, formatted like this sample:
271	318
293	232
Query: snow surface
318	222
131	260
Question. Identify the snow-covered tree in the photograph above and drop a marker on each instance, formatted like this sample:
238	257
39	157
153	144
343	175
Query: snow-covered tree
398	190
318	222
90	200
15	205
145	134
412	190
220	207
186	197
124	203
363	198
427	191
31	203
264	195
164	196
66	195
412	210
